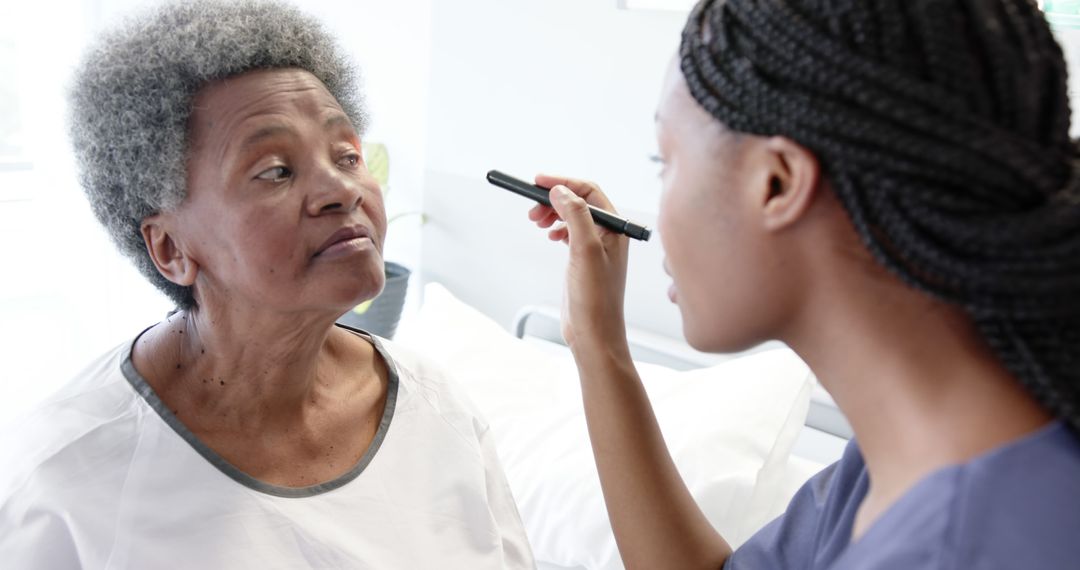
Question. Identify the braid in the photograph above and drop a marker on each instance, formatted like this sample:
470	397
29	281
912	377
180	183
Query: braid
944	129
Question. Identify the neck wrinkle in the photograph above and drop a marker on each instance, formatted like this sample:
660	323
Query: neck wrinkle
269	370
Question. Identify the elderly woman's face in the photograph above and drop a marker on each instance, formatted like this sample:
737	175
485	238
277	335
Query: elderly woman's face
281	211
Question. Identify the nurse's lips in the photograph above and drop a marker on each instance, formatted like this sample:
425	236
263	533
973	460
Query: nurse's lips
344	241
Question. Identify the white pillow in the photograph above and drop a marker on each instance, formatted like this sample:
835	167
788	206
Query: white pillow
730	429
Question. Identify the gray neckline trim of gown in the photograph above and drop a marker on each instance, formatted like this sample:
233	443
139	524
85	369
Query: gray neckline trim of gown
147	393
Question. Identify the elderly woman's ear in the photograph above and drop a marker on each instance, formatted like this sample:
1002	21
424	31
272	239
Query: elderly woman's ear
168	255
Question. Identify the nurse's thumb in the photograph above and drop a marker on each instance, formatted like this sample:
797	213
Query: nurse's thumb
583	237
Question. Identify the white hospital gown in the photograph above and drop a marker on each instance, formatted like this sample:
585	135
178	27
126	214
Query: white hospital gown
102	476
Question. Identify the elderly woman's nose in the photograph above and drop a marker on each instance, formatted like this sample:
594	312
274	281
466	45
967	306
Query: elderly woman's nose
335	190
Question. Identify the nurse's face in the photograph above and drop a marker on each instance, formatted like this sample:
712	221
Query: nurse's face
722	279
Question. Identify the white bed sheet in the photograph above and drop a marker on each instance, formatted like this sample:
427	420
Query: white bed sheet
731	429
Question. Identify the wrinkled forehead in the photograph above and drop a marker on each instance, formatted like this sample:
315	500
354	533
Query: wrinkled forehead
222	107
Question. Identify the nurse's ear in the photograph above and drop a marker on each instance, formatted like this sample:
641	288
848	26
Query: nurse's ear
166	252
788	183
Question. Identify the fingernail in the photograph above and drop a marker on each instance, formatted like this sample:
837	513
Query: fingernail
562	193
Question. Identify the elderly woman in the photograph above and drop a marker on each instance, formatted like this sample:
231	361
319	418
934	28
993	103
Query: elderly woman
219	145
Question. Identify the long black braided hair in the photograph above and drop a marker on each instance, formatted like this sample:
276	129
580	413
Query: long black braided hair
943	127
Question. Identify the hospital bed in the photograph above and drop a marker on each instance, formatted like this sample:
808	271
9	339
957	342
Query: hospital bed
826	430
744	430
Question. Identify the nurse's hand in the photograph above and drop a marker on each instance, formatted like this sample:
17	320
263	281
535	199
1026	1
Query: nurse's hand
592	314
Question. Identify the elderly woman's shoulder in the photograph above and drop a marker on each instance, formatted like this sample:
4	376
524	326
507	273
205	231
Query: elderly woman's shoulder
406	361
74	432
432	381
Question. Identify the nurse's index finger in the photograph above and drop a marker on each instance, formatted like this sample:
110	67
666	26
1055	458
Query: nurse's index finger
588	191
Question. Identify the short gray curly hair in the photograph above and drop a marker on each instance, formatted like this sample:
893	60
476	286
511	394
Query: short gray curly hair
131	102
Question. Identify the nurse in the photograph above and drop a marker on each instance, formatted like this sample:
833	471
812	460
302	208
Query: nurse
219	145
889	188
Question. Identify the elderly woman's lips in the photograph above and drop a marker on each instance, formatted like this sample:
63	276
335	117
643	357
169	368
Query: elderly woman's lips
349	239
346	247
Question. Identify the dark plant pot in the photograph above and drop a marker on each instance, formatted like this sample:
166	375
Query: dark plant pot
381	317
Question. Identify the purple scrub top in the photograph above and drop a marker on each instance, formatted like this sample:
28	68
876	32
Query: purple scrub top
1016	507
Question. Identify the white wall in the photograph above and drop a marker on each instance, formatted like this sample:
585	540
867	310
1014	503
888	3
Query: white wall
565	87
65	295
1069	38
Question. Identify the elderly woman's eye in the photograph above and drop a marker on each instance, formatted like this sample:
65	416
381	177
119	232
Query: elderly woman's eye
275	174
351	160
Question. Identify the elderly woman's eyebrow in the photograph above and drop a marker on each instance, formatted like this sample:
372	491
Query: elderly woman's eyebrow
337	119
270	131
263	133
341	121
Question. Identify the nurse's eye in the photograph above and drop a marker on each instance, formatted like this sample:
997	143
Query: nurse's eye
659	161
275	174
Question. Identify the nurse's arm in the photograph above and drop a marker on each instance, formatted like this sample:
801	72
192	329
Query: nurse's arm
656	522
